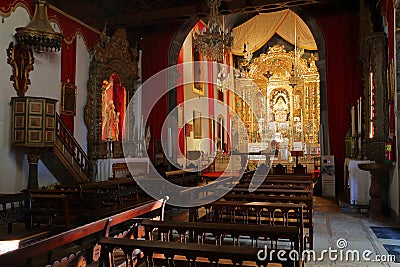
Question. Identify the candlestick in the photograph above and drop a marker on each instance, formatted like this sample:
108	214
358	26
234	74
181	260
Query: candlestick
353	122
359	115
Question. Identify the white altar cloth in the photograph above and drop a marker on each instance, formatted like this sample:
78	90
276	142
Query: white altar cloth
359	183
104	166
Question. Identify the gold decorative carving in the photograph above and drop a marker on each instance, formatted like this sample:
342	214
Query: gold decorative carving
21	60
33	154
113	56
293	112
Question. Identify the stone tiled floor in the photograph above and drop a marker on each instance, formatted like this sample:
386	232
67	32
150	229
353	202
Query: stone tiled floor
333	228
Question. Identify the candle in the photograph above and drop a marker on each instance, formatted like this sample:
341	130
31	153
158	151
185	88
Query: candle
353	122
359	115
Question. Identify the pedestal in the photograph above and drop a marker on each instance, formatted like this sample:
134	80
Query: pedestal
376	204
33	159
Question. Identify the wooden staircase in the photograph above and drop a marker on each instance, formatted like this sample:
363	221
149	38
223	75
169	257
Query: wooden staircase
66	160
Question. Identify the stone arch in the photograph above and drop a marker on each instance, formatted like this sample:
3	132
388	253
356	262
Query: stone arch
179	38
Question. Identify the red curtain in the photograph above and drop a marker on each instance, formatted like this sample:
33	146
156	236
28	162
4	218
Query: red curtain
68	69
210	77
343	81
155	48
180	98
119	98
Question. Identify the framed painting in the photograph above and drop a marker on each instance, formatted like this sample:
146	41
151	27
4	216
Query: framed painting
198	72
68	99
197	125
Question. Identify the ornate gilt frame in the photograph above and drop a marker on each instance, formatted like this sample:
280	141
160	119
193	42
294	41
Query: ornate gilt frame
68	99
113	56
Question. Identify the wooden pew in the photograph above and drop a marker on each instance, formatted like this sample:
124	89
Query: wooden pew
260	212
183	177
275	191
17	208
107	197
192	252
260	235
307	201
80	203
17	257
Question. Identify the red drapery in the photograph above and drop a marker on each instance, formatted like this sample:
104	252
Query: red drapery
119	98
180	98
343	82
210	77
155	47
68	69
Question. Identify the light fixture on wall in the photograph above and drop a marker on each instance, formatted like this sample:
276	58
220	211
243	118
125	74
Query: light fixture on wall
215	40
39	34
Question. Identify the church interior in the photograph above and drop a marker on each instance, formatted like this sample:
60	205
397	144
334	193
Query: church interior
208	132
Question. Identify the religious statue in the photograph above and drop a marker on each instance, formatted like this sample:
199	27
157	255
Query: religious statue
112	121
113	108
106	93
281	110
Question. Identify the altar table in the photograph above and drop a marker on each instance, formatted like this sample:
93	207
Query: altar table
104	166
359	182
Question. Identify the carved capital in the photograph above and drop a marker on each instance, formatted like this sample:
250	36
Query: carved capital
33	154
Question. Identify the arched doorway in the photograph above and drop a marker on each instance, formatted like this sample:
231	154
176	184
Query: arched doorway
316	31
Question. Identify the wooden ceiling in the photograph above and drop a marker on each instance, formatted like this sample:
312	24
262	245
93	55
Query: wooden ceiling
140	14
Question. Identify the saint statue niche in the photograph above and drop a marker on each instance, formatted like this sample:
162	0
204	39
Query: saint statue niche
113	109
281	109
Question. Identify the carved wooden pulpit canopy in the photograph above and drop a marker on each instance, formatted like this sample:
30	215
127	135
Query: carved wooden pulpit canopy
112	76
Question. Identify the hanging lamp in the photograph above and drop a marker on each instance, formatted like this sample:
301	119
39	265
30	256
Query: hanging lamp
38	34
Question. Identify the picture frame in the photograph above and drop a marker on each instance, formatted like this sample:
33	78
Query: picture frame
68	99
197	125
198	72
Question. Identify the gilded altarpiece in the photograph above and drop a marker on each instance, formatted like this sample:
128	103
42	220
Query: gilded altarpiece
112	58
292	110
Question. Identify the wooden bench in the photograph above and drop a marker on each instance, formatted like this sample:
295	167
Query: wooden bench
18	256
183	177
16	208
197	232
80	203
260	212
307	201
193	253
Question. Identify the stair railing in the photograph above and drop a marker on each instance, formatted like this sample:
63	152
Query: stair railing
72	145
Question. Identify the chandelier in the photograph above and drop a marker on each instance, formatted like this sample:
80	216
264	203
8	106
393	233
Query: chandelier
214	41
39	34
